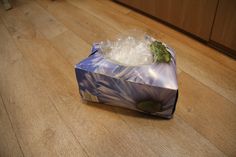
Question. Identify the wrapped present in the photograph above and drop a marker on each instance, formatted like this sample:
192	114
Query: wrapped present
134	74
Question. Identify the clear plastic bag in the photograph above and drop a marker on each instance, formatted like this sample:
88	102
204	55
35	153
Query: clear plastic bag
130	49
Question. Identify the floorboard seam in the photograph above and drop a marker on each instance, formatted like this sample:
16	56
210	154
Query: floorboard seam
8	115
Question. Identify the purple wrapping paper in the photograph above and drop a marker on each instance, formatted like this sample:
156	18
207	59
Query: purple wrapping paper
151	89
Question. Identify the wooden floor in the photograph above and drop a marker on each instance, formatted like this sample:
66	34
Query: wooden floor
42	114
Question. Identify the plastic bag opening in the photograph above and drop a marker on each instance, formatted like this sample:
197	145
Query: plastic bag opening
129	49
135	48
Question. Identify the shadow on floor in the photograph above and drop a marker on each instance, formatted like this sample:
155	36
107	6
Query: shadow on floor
122	111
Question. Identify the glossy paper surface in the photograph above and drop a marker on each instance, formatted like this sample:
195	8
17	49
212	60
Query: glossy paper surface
105	81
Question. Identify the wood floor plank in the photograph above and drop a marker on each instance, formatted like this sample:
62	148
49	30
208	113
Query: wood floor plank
46	88
204	69
74	49
101	123
37	124
63	37
9	145
60	34
207	51
163	30
115	6
209	113
218	129
166	136
59	89
113	18
58	46
200	47
86	26
49	31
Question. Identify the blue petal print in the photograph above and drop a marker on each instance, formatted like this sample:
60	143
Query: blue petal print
148	88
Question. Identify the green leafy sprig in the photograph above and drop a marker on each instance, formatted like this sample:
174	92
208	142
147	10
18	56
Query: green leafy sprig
160	52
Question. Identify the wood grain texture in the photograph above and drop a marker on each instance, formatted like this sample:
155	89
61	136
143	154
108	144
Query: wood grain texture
195	17
74	49
201	48
211	115
48	115
224	29
118	134
38	126
95	139
197	65
114	6
32	11
9	145
86	26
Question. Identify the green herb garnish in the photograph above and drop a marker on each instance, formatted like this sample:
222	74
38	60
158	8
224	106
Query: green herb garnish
160	52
